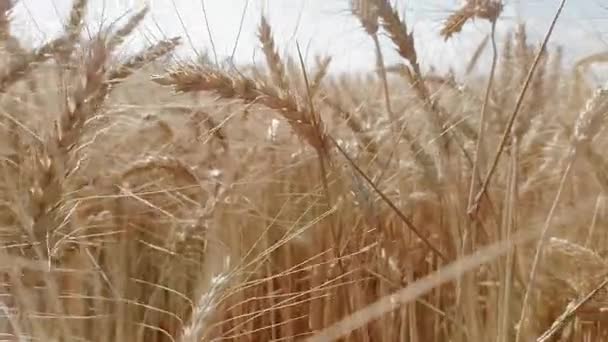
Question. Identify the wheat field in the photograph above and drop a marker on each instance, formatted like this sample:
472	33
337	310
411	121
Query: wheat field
155	197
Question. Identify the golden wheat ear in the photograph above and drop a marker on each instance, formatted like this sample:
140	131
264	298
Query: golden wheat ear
125	31
10	42
273	59
483	9
587	273
574	264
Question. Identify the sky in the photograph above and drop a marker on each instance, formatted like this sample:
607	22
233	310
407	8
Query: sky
321	27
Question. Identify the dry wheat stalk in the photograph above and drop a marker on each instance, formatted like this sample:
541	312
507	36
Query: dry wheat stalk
98	290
